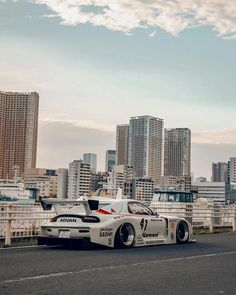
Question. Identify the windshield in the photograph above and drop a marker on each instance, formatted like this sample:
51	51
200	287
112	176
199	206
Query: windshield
139	209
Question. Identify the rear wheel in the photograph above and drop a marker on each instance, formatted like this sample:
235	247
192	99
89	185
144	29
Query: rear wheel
125	236
182	232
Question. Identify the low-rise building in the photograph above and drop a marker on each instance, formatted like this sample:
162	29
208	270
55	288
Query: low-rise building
122	177
79	179
143	189
43	180
97	181
11	190
179	183
213	191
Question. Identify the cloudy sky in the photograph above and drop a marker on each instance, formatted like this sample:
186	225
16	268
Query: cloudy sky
95	63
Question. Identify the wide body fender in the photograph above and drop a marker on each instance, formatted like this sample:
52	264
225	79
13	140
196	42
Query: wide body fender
104	233
172	227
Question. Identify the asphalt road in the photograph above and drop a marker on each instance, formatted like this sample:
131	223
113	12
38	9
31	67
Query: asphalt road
202	268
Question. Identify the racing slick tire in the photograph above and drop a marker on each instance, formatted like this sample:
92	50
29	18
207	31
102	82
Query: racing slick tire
125	236
182	232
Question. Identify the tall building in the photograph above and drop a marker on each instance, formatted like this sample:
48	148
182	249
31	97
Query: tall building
91	159
122	144
78	179
18	132
219	172
145	146
62	185
110	160
177	152
232	169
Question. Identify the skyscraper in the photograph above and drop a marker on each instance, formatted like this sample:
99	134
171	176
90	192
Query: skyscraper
62	185
18	132
177	152
219	172
91	159
145	146
122	144
110	160
232	169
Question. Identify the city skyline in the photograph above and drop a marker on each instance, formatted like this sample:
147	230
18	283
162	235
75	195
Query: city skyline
94	76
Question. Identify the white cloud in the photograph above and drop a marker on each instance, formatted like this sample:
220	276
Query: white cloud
173	16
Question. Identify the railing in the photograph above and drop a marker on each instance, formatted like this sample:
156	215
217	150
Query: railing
24	221
21	221
211	217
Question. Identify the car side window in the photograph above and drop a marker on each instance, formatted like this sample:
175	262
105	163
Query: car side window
138	209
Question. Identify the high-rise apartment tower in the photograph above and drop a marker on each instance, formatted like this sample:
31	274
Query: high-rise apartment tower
219	172
122	144
91	159
177	152
18	132
145	146
110	160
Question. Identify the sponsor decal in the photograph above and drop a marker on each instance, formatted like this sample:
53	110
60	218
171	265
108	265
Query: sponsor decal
157	219
106	232
143	224
145	235
139	240
117	217
154	242
172	236
69	220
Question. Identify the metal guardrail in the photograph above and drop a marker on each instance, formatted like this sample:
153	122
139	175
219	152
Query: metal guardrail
25	221
21	221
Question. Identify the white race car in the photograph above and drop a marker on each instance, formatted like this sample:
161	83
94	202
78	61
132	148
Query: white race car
122	223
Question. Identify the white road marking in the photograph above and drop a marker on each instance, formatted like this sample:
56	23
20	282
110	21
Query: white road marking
96	269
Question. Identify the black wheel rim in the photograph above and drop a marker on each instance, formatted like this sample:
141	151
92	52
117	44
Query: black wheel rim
127	234
182	232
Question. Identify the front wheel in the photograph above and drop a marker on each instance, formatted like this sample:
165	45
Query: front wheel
125	236
182	232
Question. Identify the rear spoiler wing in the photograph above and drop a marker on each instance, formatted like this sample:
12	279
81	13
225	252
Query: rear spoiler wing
89	205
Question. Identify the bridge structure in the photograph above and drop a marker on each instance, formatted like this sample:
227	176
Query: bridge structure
206	267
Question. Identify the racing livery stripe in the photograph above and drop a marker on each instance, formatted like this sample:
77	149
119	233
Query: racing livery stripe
103	212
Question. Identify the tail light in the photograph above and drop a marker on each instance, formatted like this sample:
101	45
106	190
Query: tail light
91	219
54	219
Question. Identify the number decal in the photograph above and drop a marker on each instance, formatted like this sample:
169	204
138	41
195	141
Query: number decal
143	224
146	223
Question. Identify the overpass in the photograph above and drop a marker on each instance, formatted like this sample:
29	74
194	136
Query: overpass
207	267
